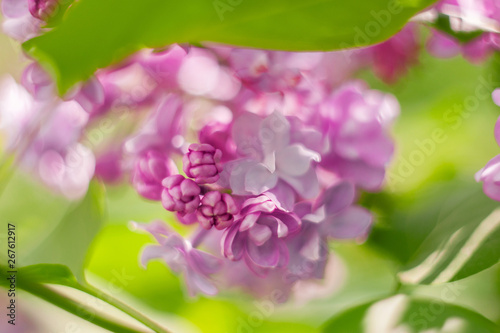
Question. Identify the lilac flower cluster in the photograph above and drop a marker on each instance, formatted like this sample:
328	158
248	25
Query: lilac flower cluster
282	153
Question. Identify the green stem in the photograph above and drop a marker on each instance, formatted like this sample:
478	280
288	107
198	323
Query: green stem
75	308
123	307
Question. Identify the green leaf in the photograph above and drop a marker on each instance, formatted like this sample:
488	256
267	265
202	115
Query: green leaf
47	273
464	242
69	242
407	314
445	233
95	33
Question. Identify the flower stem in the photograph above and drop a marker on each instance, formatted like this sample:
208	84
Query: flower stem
75	308
124	308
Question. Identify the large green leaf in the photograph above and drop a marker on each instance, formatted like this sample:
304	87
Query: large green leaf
68	244
463	242
96	33
445	234
406	314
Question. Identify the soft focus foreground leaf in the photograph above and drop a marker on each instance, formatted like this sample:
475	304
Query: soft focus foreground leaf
69	242
33	209
96	33
404	314
446	234
472	248
47	273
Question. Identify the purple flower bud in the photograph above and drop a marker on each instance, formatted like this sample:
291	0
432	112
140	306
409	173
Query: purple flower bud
202	162
150	169
42	9
180	194
217	209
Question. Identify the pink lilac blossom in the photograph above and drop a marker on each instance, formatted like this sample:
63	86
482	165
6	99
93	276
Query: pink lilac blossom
258	237
392	59
282	143
269	155
181	257
356	123
53	152
19	23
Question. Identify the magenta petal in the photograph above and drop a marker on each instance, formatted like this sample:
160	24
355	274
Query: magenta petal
167	200
232	208
306	185
291	221
211	198
295	159
283	194
198	283
497	127
490	175
362	174
284	254
243	132
205	262
496	98
351	223
151	252
14	8
477	50
302	209
274	133
249	221
189	188
259	271
261	204
260	234
172	181
266	255
443	46
311	250
337	197
492	190
232	243
259	179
